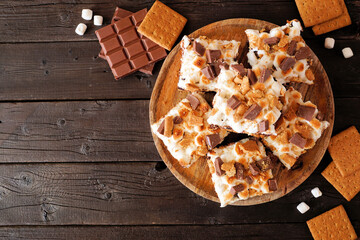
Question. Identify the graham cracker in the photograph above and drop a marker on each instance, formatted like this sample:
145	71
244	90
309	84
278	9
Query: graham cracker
162	25
342	21
333	224
347	186
315	12
344	149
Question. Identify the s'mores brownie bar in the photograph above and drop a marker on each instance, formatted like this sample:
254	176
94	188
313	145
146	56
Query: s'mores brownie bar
241	170
283	50
201	60
297	129
185	131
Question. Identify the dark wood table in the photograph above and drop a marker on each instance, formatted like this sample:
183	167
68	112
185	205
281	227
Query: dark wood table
77	156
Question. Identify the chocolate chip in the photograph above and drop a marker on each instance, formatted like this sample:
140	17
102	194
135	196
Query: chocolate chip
238	188
251	76
239	68
271	40
302	53
240	170
249	180
279	122
233	102
212	55
216	68
177	120
272	184
198	48
265	164
287	63
292	48
212	140
263	126
218	163
298	140
265	74
254	169
306	112
224	65
209	72
161	128
252	112
194	101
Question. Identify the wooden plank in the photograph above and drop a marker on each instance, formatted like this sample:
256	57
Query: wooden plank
57	20
100	131
58	71
64	71
258	231
138	194
76	132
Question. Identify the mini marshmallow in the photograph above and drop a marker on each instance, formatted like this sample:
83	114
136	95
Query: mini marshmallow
329	43
80	29
316	192
303	207
98	20
86	14
347	52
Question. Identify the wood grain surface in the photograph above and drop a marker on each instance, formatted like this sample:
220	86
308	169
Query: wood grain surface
84	131
166	95
70	167
96	131
56	20
158	232
139	193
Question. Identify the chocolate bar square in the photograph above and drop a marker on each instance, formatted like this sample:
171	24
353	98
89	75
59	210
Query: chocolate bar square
128	37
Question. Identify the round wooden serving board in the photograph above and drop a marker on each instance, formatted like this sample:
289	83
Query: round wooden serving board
166	95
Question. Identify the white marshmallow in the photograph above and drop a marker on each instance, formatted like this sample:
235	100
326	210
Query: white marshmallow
86	14
185	41
98	20
347	52
316	192
303	207
329	43
80	29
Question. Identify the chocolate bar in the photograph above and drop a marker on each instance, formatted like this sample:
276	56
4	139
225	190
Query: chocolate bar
126	51
212	140
194	102
218	163
233	102
119	14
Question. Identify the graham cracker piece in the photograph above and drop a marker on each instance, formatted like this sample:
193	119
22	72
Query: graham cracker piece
162	25
344	149
333	224
342	21
315	12
347	186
